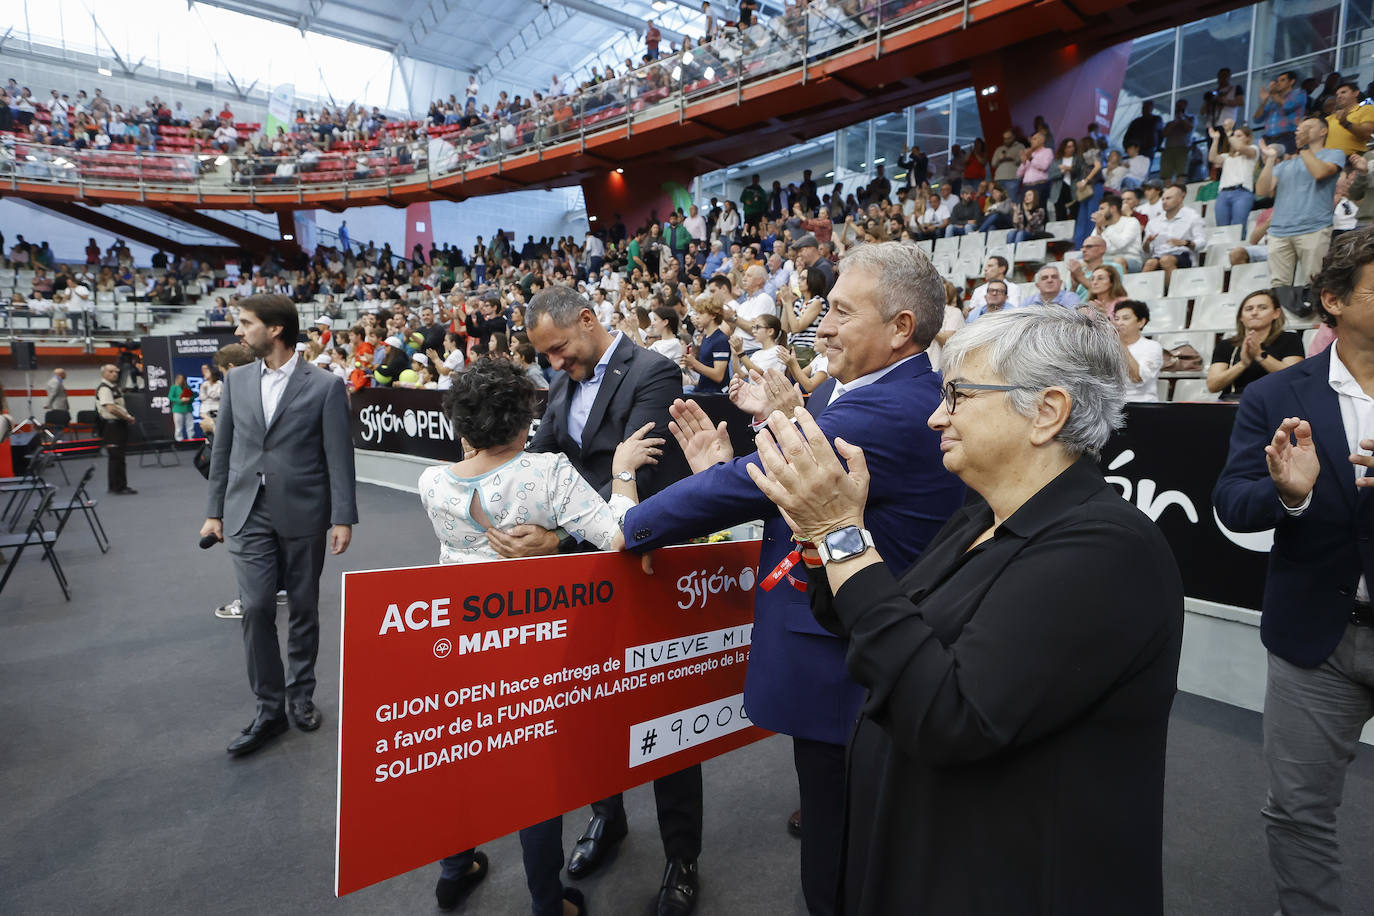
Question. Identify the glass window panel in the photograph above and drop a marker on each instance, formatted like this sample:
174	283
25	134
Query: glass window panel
932	125
1150	71
1127	110
1208	45
856	148
967	124
1357	62
1296	28
889	136
1359	21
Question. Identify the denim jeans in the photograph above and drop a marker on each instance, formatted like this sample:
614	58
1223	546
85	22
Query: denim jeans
1234	206
995	221
1018	235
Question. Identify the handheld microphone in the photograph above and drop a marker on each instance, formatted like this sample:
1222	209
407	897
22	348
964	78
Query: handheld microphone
208	541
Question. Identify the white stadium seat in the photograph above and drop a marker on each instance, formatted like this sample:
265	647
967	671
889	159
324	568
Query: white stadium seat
1030	252
1061	229
1167	315
1192	282
1217	311
1144	286
1192	389
1246	278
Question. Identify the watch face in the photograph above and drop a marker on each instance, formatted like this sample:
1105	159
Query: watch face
845	543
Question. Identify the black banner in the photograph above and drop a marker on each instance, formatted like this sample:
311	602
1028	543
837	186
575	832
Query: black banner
1166	462
164	358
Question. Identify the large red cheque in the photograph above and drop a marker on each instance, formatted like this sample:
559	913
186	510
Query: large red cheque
479	699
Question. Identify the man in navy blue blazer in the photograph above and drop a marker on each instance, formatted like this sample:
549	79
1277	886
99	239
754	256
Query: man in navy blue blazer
885	309
1298	460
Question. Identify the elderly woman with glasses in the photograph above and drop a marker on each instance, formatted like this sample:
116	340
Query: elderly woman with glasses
1009	755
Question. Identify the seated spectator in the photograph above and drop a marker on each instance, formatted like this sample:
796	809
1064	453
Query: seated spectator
1028	218
1094	248
965	216
1172	238
1049	290
1103	290
1137	167
219	312
1114	172
1143	355
997	211
1119	233
769	333
663	328
996	298
1254	250
1259	346
526	359
995	267
1236	155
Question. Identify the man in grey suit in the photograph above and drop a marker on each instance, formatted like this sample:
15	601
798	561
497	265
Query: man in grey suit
281	484
57	392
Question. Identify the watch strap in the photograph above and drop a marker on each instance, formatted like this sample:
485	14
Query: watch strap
824	549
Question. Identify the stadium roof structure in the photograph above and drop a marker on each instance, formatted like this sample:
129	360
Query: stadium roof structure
518	42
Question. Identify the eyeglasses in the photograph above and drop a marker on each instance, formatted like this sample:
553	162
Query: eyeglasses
954	390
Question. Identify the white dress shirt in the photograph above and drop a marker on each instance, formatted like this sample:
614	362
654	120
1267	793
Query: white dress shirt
863	380
1185	225
584	395
273	384
1357	416
754	307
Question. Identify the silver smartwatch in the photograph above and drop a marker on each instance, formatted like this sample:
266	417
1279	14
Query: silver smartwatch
844	544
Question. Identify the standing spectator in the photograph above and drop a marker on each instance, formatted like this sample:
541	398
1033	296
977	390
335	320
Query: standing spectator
652	37
291	495
1228	100
1143	356
210	388
1145	132
1069	170
880	188
802	314
1034	170
182	397
115	421
57	392
754	201
714	365
1281	106
1178	142
1350	126
1259	347
1172	237
1236	155
696	225
1299	464
1304	189
1004	161
917	166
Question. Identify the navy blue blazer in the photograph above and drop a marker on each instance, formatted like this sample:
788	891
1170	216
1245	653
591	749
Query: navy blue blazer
797	683
1318	557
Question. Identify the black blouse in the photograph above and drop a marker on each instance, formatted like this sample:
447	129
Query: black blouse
1009	758
1285	345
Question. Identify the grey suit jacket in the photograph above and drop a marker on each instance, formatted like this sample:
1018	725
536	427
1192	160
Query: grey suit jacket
305	456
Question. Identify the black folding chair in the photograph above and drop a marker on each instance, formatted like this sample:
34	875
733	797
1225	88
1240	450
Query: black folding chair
153	440
36	535
21	490
81	499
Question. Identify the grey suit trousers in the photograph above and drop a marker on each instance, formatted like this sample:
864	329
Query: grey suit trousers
262	558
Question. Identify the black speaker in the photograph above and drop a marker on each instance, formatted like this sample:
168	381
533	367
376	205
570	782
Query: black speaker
25	357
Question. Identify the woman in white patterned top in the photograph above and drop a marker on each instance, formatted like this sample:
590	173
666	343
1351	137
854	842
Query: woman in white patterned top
499	485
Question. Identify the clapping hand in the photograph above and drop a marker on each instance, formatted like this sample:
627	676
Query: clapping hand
638	450
1293	465
803	477
1359	163
703	444
1269	151
782	394
1213	132
1250	347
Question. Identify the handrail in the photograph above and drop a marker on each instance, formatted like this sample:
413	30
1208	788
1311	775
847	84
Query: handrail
801	38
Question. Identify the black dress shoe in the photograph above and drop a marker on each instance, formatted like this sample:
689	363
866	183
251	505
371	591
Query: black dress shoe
595	844
678	895
257	736
307	715
449	892
794	823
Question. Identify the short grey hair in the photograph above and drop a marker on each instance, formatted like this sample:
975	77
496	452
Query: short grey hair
562	304
1049	346
907	282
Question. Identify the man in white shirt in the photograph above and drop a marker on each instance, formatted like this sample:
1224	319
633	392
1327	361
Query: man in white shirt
1137	167
935	218
1121	233
779	274
1154	199
994	268
756	302
696	224
1144	356
1172	238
